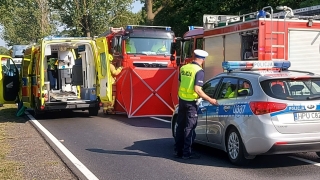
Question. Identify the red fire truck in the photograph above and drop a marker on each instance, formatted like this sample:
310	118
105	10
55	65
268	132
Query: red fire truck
149	71
262	35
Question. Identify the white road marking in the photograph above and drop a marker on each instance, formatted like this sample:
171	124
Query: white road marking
305	160
85	171
159	119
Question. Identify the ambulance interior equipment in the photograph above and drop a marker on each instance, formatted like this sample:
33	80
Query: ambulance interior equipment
73	73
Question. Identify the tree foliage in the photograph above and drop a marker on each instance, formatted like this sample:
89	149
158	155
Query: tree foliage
92	17
4	51
181	14
25	21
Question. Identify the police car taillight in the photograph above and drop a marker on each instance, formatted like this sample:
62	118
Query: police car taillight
261	107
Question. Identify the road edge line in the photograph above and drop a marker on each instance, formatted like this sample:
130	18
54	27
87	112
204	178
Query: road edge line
81	167
305	160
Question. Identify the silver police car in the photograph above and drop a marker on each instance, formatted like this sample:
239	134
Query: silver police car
260	112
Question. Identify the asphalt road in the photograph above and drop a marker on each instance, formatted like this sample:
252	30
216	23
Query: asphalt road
115	147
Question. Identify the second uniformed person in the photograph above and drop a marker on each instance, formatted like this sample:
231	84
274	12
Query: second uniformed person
191	81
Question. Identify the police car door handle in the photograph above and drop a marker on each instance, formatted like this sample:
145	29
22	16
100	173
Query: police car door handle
203	109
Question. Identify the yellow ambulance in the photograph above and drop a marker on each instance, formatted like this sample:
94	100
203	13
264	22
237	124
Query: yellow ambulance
61	74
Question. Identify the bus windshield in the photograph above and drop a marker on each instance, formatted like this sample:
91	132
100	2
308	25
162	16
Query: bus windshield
148	46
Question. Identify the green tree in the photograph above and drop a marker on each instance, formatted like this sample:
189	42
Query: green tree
25	21
308	3
4	51
181	14
92	17
152	8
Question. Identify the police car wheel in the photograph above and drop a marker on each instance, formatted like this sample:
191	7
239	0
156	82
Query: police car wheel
318	154
235	147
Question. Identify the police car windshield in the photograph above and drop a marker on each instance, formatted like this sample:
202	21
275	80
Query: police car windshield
292	89
148	46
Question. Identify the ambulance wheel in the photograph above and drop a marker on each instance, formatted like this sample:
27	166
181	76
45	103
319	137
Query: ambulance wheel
93	112
37	114
235	147
318	154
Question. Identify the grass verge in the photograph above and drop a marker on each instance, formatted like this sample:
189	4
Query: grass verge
8	169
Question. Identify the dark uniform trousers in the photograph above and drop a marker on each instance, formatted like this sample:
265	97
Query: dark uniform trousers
187	122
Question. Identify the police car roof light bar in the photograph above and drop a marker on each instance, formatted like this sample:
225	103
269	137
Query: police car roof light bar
255	65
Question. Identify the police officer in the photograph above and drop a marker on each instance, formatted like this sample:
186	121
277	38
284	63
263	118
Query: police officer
191	81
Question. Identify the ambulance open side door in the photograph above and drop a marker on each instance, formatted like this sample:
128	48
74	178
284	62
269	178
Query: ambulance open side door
9	80
104	75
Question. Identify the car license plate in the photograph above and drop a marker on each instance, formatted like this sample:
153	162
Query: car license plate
306	116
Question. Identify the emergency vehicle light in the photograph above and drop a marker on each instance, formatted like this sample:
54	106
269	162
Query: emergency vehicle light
255	65
167	28
194	27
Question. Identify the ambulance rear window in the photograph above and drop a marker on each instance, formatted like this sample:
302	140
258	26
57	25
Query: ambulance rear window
292	89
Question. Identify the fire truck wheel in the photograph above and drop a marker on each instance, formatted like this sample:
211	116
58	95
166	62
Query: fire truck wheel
93	111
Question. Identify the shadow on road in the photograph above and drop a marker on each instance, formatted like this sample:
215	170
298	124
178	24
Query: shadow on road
63	114
8	114
138	121
163	148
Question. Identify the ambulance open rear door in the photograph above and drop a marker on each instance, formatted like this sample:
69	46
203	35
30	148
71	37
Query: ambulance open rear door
9	80
104	75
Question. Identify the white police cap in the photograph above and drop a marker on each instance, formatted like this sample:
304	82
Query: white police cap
200	53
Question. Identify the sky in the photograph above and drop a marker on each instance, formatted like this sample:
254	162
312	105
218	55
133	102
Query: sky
136	7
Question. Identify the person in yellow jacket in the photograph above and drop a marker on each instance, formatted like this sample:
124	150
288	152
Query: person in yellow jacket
190	89
244	90
108	106
159	46
114	71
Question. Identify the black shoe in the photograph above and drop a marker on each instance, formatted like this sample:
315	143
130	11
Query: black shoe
192	156
177	155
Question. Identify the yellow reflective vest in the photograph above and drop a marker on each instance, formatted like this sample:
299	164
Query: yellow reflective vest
187	77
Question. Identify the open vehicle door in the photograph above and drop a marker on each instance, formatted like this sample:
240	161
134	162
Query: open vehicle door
9	80
105	78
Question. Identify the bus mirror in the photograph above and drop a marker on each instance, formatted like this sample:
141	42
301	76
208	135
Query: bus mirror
173	48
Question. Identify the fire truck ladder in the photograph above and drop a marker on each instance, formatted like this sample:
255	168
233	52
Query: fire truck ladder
302	13
278	34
